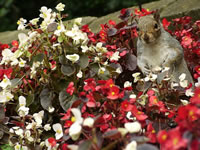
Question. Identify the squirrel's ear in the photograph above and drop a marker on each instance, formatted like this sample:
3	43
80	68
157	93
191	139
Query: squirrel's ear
156	15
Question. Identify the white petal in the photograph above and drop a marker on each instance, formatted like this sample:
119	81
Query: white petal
77	114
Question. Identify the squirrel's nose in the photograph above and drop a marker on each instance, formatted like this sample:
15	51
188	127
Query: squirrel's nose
146	37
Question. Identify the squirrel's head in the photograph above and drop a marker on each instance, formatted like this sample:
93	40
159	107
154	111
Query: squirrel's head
149	28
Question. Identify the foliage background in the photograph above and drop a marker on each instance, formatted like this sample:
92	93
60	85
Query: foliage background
12	10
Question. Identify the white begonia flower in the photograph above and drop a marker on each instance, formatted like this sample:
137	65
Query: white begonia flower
96	59
123	131
21	24
153	77
77	35
182	77
51	109
5	96
25	148
19	132
31	125
60	29
45	12
58	129
77	114
118	70
131	146
183	83
75	131
184	102
28	136
133	127
127	84
23	38
136	76
23	111
100	48
22	101
17	146
132	96
197	84
38	117
60	7
47	127
189	92
174	84
72	147
80	74
5	82
115	56
34	21
22	62
84	48
7	56
34	68
73	58
129	116
101	70
88	122
78	21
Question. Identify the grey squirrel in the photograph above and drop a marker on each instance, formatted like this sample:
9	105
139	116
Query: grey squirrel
157	48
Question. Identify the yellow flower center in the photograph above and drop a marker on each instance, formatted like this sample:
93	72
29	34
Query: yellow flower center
155	100
8	97
175	141
58	131
73	119
164	137
5	80
18	22
153	131
45	15
191	113
59	27
113	93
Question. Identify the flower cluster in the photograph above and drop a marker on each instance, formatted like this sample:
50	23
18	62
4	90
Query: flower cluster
64	87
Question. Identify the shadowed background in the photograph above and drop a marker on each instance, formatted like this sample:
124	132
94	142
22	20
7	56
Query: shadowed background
12	10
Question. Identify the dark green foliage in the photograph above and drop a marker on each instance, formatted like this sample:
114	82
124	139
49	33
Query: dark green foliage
12	10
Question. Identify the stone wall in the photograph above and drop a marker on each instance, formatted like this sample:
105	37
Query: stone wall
169	9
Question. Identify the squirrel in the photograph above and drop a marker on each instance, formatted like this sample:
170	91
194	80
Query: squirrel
157	48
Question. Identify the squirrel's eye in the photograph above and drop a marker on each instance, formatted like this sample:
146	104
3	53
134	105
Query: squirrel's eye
156	26
137	29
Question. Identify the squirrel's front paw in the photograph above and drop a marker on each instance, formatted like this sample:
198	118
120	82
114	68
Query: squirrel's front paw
146	70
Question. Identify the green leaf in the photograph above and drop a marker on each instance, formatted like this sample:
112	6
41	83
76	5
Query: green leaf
29	99
2	113
131	62
60	39
46	97
15	82
95	68
62	60
86	145
67	69
83	61
38	57
66	100
105	75
6	147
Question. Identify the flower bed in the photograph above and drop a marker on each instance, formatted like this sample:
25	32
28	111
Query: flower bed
64	87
